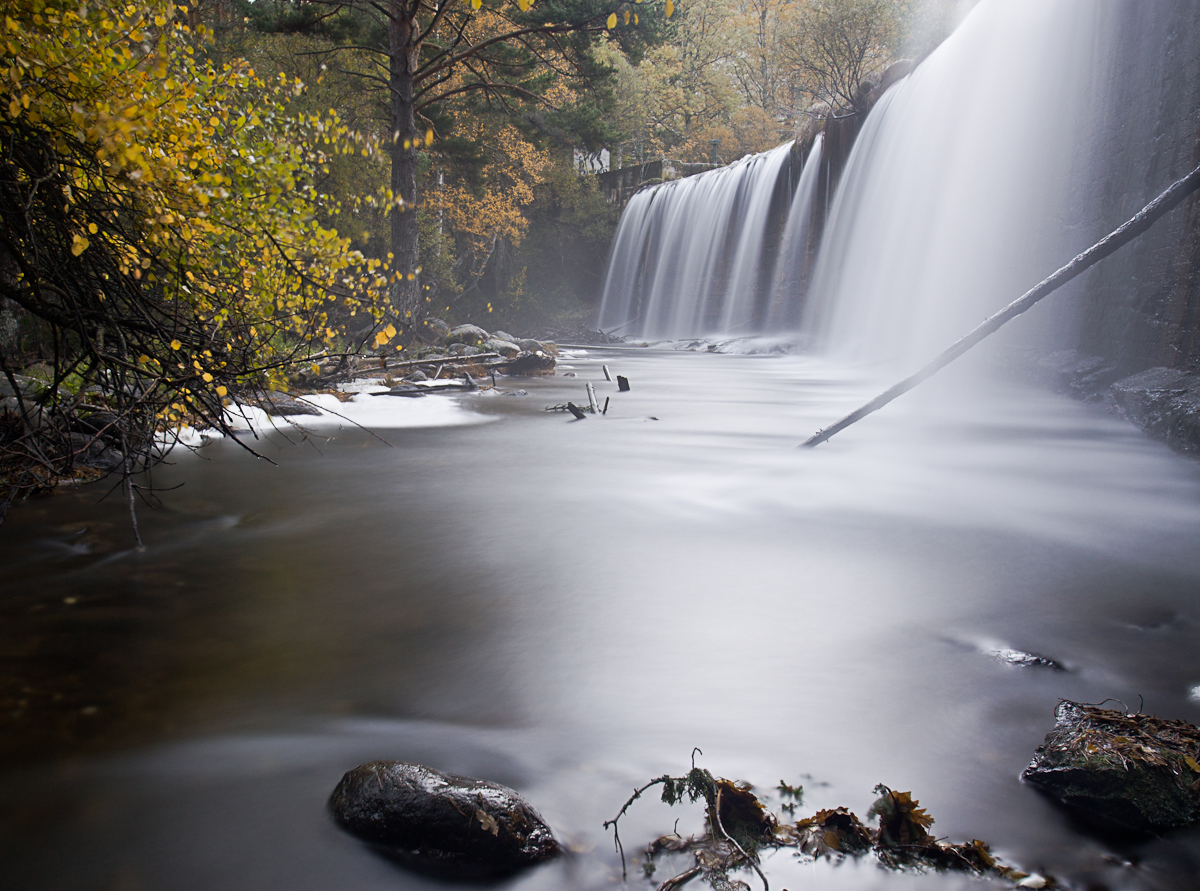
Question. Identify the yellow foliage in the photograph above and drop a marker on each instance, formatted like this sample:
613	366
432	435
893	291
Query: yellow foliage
209	171
514	168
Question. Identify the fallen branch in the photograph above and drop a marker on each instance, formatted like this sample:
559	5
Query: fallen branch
1142	221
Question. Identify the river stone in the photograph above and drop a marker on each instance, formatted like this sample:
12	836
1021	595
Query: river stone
29	386
505	348
505	336
432	330
1125	773
283	405
530	363
439	822
469	334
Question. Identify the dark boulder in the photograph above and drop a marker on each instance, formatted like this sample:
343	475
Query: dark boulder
1119	772
1165	403
283	405
431	330
529	363
441	823
468	334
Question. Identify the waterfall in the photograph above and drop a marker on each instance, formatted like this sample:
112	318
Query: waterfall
794	249
962	188
688	257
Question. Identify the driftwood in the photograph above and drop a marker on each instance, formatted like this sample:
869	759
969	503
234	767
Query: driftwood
622	384
462	360
592	403
576	411
1119	237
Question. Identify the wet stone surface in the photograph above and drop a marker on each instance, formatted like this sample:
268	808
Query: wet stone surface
1129	774
448	825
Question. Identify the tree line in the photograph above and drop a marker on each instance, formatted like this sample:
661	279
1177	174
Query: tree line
202	200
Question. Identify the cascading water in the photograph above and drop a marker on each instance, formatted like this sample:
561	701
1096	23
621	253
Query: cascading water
688	255
960	191
794	246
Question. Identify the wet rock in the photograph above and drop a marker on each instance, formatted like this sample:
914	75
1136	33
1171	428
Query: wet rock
416	377
528	363
1081	376
28	386
505	348
1025	660
441	823
1125	773
283	405
469	334
1165	403
463	349
505	336
91	451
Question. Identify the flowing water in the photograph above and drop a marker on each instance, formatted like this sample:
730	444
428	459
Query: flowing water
688	257
569	607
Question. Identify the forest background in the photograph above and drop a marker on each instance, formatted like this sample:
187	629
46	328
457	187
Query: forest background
513	234
200	201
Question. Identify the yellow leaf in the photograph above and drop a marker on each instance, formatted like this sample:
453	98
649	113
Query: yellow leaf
390	331
1191	762
628	15
207	377
221	391
524	5
143	359
93	228
79	244
635	18
670	8
429	136
475	4
175	344
315	368
612	20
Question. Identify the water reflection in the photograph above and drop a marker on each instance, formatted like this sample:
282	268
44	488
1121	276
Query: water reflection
570	607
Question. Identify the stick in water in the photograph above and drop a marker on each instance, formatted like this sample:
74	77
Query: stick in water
1144	219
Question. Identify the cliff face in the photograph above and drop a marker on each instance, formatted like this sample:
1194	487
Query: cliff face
1141	307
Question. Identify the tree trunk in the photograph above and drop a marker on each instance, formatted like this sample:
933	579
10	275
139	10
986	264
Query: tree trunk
405	248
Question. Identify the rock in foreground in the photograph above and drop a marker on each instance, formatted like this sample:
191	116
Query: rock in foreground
1119	772
441	823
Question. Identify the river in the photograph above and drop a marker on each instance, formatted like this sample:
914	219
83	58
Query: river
569	607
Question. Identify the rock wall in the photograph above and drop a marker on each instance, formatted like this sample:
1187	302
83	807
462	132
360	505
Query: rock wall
1140	308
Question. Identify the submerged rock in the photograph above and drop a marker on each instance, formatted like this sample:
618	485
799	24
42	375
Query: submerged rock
1129	773
1022	659
446	824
